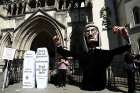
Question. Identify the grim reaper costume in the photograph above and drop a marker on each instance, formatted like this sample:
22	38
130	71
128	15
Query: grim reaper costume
94	63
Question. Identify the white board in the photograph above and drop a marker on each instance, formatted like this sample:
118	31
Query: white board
42	67
8	53
29	70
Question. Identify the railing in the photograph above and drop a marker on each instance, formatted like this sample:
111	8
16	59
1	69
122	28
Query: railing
75	75
16	70
121	80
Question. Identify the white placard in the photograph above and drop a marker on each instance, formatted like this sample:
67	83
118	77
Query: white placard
29	69
8	53
42	67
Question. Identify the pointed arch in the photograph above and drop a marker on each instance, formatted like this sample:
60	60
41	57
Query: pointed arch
5	42
6	38
139	45
29	30
136	14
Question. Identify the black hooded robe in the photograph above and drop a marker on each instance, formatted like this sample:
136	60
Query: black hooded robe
94	64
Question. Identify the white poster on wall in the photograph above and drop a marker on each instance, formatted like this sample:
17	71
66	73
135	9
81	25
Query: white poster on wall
42	67
8	53
29	69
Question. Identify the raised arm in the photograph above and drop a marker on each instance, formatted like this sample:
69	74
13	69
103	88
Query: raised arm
123	32
121	49
63	52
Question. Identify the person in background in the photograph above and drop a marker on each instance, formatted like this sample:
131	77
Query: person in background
62	71
129	58
137	61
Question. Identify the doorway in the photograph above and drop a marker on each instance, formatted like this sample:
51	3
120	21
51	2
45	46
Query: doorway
44	39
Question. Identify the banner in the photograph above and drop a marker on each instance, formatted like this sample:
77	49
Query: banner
42	67
8	53
29	70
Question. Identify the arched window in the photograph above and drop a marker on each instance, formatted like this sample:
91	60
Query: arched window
20	8
42	3
50	2
139	44
9	9
32	3
136	13
14	9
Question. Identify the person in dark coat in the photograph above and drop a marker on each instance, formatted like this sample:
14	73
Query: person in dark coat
129	58
94	62
137	61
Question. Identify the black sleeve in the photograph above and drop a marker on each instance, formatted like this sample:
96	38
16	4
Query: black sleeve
64	52
129	58
107	57
120	50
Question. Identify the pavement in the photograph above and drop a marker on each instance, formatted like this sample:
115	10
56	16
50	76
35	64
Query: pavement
17	88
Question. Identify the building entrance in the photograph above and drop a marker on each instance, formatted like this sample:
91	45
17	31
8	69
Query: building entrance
43	39
36	33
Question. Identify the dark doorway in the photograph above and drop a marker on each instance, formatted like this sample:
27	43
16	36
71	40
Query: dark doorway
44	39
139	44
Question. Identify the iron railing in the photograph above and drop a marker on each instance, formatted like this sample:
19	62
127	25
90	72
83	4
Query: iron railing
74	76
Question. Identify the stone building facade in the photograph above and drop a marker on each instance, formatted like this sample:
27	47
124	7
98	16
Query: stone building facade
30	24
128	12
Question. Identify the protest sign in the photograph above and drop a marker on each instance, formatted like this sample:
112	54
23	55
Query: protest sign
8	53
42	67
29	69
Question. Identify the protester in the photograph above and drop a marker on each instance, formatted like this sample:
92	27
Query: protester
95	61
62	70
137	61
129	58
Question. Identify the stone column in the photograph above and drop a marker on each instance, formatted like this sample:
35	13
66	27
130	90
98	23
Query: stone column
97	6
12	5
24	7
56	4
46	3
37	3
64	5
28	8
17	9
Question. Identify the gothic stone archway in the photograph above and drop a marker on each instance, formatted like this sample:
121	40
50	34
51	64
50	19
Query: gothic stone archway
37	32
